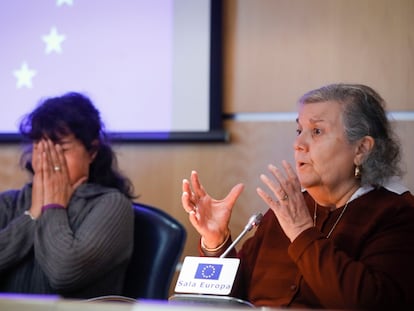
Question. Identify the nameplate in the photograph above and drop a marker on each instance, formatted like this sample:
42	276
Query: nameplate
207	275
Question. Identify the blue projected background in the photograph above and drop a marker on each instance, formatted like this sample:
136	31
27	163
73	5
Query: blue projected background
145	64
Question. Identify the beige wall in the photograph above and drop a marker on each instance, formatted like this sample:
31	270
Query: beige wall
275	50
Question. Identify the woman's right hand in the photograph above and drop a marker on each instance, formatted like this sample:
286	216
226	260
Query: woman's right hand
210	217
37	186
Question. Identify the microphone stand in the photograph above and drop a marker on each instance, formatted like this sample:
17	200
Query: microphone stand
254	221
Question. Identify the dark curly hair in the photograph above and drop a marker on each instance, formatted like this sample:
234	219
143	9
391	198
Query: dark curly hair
74	113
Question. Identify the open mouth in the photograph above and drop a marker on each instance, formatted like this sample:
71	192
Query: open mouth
300	164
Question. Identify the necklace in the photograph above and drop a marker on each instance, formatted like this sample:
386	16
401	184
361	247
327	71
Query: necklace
336	222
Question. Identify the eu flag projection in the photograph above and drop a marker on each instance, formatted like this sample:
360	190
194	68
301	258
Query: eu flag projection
136	60
208	271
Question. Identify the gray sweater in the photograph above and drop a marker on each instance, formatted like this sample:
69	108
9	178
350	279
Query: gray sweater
78	252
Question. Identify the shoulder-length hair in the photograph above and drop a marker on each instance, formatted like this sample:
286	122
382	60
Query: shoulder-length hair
74	113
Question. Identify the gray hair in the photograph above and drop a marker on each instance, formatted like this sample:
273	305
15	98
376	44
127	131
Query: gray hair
364	115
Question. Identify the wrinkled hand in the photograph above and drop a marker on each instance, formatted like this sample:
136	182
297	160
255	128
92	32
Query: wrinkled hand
287	202
209	216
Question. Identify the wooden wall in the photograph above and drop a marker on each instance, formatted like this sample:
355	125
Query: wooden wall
274	50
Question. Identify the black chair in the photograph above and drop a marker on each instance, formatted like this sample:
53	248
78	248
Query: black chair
158	244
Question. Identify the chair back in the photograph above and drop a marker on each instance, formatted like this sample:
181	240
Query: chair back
158	244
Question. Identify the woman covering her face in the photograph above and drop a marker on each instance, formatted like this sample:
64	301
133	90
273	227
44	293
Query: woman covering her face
70	231
339	230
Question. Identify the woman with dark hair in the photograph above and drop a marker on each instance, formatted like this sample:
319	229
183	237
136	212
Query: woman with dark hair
339	230
70	231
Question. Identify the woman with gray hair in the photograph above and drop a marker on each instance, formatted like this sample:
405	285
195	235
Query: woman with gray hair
364	114
339	230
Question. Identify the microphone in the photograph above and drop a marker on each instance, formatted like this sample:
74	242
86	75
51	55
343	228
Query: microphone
254	221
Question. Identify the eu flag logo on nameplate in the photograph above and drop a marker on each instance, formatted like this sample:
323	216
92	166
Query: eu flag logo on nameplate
208	271
207	275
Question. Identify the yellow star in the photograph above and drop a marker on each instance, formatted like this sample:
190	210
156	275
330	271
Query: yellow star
24	76
53	41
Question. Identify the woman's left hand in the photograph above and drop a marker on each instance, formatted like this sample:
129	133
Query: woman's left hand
288	203
57	188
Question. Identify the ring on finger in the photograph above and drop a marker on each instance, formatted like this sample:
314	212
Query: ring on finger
56	168
285	197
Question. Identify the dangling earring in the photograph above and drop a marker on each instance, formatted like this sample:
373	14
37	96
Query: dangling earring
357	172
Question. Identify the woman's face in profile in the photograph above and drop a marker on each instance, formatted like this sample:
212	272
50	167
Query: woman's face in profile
323	155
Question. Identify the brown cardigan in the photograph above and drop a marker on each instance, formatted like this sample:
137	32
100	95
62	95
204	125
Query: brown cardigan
367	263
